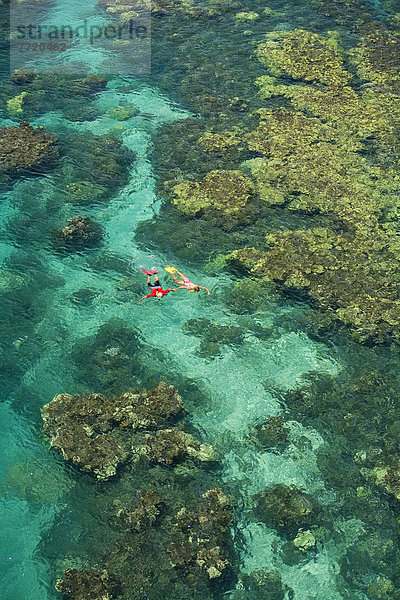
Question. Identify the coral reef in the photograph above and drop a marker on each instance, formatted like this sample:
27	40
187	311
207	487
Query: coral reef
108	361
87	584
43	91
378	55
219	143
315	161
246	16
88	430
79	233
186	8
88	85
146	512
172	446
304	55
304	540
84	192
123	113
249	295
204	539
145	541
286	508
196	151
261	585
77	427
151	410
225	191
272	432
213	335
22	77
26	149
106	163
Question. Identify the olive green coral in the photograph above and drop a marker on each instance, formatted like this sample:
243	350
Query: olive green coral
225	191
354	277
304	55
315	158
379	55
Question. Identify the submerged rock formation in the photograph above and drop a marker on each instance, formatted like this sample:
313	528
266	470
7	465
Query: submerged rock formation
272	432
146	512
172	446
213	335
87	584
204	540
95	432
286	508
79	233
261	585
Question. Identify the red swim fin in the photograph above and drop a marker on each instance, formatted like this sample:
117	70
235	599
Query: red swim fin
151	272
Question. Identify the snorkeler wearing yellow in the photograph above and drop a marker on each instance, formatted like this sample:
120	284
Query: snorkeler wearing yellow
185	282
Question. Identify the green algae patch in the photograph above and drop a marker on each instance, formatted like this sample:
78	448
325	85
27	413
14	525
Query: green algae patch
216	142
304	55
225	191
123	113
84	192
246	16
379	55
14	105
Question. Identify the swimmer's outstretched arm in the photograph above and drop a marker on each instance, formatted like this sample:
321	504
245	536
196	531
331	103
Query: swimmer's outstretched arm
204	288
142	299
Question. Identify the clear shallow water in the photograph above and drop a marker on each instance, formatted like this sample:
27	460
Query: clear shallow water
36	485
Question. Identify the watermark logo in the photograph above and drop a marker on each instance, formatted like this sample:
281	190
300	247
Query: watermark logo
43	40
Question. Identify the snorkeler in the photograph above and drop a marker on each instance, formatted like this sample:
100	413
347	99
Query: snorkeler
185	282
156	288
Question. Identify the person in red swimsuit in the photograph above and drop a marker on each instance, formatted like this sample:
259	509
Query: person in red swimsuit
156	288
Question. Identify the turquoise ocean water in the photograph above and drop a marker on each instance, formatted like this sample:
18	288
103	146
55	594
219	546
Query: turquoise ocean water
41	496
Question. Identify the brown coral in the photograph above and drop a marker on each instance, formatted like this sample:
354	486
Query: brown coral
25	149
